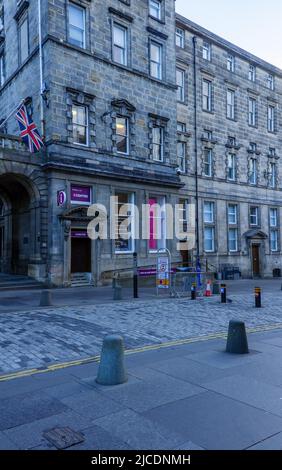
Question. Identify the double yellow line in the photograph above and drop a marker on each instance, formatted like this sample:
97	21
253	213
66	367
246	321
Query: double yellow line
153	347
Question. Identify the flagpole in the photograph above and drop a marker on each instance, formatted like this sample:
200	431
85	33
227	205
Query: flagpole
2	124
41	71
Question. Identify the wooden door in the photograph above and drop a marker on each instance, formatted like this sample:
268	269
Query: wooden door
80	255
255	260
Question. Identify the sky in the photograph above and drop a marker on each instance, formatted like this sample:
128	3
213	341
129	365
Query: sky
254	25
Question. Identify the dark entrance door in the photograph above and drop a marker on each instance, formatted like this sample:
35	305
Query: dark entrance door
255	260
80	255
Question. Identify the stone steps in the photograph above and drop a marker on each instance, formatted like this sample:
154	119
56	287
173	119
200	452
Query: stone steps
80	280
18	282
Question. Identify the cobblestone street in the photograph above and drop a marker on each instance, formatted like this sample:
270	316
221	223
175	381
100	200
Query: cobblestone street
42	337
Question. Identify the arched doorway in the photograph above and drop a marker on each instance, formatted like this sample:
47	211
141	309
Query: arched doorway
18	224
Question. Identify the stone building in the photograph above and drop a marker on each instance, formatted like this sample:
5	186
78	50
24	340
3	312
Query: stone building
109	125
118	102
230	149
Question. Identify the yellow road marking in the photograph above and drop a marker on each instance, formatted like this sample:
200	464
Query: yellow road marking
153	347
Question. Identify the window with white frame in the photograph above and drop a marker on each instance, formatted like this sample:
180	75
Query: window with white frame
230	63
253	147
155	9
230	112
231	167
2	69
183	215
207	51
122	135
274	229
120	53
180	82
272	152
253	176
181	127
157	223
252	112
181	156
209	228
272	174
254	216
232	227
207	134
252	73
158	143
208	162
180	37
124	222
270	81
156	52
271	118
80	124
207	95
23	39
76	26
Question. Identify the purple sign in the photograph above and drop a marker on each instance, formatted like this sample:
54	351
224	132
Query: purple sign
79	234
81	194
61	198
144	272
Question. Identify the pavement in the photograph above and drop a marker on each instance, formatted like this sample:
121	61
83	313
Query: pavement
184	397
42	337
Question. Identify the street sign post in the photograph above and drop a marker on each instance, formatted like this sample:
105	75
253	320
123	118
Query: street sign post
163	277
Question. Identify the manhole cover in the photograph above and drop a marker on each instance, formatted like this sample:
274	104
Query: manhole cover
62	438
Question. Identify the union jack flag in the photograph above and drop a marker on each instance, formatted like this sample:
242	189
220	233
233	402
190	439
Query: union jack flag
29	133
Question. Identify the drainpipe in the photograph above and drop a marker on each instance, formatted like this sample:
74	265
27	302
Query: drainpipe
196	152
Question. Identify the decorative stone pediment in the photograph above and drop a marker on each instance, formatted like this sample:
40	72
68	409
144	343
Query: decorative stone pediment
255	233
76	214
123	104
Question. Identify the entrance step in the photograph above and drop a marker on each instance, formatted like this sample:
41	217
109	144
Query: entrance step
18	282
80	279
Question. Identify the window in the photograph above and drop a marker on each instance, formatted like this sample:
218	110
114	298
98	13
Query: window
273	217
252	73
254	216
181	154
180	82
155	9
157	223
156	60
272	152
271	118
2	70
208	212
183	215
270	81
122	135
209	229
231	141
274	232
124	216
253	147
252	112
23	40
76	25
120	44
80	124
232	214
207	51
207	134
207	95
158	143
253	171
273	172
233	239
181	127
180	37
231	167
208	161
231	63
230	104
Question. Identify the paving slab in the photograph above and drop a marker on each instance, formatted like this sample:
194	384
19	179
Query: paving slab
97	438
216	422
222	360
92	404
272	443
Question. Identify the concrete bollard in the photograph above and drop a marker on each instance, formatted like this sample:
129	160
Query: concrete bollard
111	369
45	298
237	342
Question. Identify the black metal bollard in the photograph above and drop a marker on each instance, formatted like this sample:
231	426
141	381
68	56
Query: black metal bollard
257	297
193	291
223	293
135	276
237	342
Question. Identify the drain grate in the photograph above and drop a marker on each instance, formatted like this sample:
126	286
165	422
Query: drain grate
62	438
